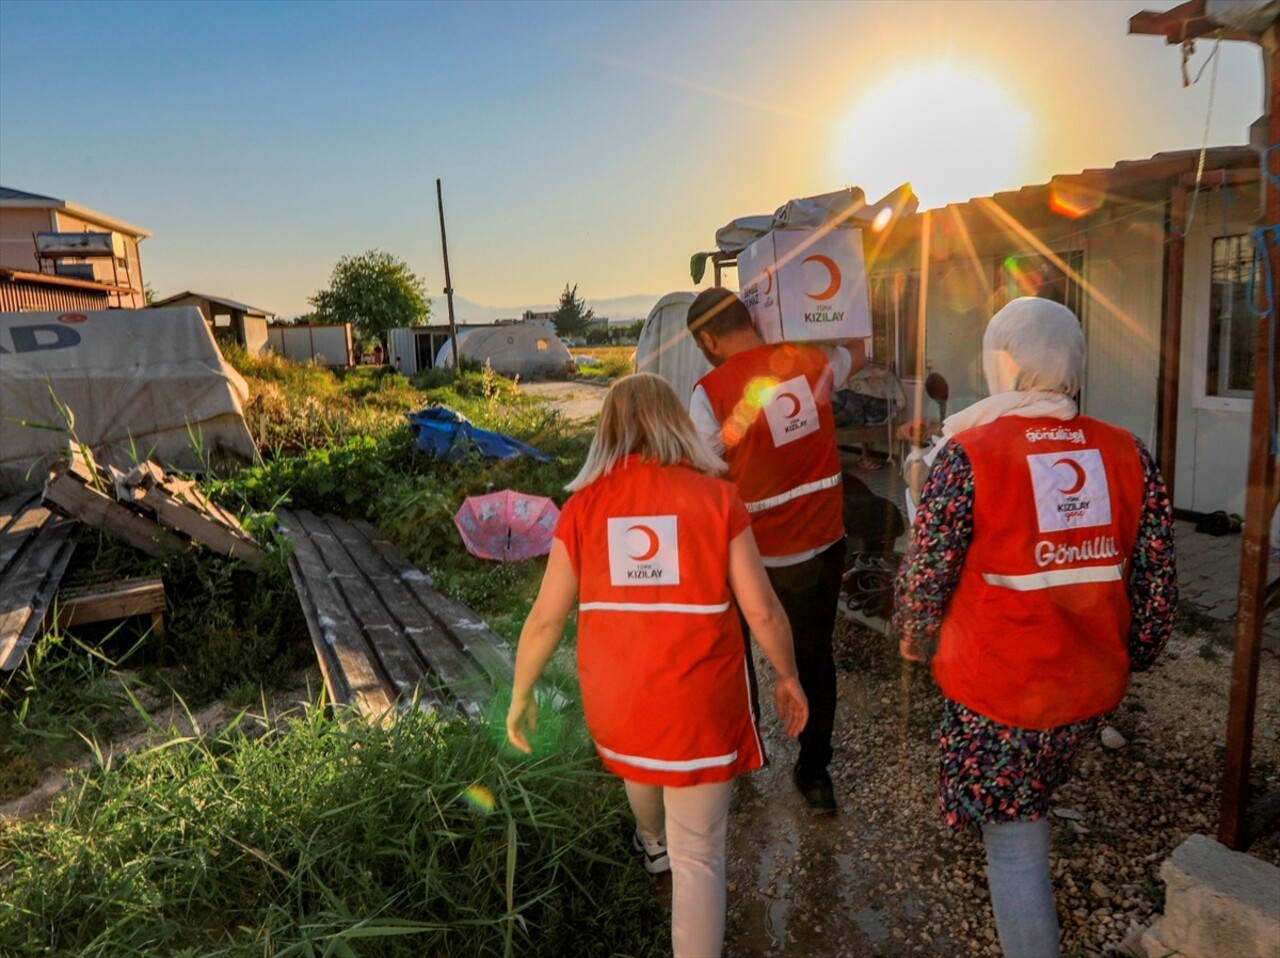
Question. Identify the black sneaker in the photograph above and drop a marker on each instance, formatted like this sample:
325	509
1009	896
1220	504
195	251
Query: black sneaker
815	786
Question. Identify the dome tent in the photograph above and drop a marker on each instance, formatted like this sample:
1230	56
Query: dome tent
666	349
517	349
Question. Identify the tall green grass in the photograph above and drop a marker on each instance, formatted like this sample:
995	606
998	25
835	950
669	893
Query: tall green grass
328	836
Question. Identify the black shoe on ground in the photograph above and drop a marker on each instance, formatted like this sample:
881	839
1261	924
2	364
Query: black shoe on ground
815	786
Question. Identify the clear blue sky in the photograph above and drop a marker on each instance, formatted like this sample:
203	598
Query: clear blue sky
598	144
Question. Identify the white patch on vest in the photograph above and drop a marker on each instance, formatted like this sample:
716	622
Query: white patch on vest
1071	489
791	411
644	550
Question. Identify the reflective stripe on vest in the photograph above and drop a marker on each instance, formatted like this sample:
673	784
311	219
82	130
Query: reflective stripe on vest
1047	580
794	493
653	607
663	765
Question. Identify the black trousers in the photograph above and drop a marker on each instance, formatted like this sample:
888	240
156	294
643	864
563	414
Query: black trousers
809	593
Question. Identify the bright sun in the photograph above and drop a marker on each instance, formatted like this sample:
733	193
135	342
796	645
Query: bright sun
950	132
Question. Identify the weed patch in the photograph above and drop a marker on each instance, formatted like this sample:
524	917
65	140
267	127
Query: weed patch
328	836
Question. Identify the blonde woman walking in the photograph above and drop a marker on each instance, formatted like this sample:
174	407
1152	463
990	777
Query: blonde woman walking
659	556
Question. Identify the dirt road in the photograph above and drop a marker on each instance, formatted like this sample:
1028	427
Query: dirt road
578	400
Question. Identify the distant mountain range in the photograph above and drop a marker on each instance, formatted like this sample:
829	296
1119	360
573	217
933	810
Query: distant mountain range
616	309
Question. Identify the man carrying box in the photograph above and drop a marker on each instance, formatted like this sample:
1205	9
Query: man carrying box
766	410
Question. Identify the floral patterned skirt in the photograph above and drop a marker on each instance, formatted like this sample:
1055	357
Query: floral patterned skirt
997	773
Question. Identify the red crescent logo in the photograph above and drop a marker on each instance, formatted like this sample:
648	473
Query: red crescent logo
1080	476
795	404
832	269
768	280
72	318
652	549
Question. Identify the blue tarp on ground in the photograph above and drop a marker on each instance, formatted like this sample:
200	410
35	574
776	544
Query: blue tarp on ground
447	435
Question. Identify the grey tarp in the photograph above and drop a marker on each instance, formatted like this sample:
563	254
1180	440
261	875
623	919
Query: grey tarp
666	349
138	383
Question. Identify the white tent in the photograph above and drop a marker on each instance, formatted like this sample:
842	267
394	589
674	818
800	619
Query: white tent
138	384
515	349
666	349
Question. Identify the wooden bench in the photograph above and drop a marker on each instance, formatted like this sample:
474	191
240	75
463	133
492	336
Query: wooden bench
383	636
35	547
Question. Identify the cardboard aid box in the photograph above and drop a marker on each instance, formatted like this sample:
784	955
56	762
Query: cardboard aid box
806	285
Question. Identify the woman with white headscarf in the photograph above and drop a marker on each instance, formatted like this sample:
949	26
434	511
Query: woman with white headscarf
1039	575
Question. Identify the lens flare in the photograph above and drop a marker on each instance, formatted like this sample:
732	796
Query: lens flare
759	391
1074	197
480	798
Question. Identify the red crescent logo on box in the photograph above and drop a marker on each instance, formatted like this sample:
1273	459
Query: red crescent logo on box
795	404
1079	476
829	264
652	548
768	280
72	318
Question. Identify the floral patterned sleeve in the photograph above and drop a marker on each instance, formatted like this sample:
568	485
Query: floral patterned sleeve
1153	578
939	540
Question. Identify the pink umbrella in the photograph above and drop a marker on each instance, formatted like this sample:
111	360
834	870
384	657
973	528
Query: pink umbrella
507	525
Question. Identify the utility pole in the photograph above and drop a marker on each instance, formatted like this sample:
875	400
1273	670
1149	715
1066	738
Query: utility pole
448	283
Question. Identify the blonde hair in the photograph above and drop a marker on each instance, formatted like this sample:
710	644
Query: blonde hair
642	414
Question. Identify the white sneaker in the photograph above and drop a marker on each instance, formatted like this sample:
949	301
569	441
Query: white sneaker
655	853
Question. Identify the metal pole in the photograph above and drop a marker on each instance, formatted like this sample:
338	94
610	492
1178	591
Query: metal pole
448	283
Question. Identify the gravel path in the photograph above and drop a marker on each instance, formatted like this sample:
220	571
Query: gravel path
883	877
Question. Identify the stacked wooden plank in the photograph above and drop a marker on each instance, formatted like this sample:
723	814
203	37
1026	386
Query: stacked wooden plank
155	512
91	598
383	636
35	547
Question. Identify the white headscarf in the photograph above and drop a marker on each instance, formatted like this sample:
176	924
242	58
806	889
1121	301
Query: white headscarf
1033	356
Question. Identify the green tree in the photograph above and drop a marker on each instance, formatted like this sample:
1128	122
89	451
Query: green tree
572	316
374	292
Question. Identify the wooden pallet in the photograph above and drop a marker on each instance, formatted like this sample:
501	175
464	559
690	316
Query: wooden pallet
85	603
384	638
35	547
152	511
178	505
80	490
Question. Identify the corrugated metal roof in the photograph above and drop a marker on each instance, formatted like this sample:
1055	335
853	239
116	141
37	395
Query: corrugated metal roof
1152	172
220	300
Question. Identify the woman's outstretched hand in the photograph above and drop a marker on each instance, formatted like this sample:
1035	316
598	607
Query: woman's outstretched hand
522	717
791	705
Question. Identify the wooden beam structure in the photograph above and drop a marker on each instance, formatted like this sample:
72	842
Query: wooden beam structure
1189	21
1261	491
1171	337
1186	21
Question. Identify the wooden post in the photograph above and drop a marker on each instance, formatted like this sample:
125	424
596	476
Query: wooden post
1260	498
448	283
1171	336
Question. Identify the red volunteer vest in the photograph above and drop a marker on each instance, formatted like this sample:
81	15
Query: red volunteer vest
1036	632
660	663
773	404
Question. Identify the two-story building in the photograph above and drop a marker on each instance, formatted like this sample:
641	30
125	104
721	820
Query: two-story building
58	255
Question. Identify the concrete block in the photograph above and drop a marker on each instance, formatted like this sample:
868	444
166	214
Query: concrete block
1151	946
1219	902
